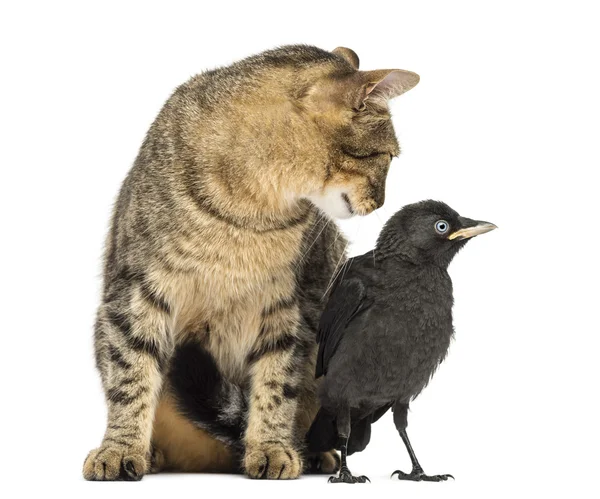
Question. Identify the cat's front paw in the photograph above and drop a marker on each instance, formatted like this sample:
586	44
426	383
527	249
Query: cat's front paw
115	463
273	460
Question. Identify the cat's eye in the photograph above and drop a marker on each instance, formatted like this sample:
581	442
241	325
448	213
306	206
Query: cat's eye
362	106
441	226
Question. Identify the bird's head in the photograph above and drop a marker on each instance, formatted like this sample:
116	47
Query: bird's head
428	231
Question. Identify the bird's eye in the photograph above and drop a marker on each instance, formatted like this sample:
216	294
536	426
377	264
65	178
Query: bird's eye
441	226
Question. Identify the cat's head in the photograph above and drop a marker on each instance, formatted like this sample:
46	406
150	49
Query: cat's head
350	109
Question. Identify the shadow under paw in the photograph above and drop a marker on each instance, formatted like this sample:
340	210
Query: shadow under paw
325	463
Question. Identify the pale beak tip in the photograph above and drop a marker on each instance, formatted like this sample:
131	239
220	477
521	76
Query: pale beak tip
469	232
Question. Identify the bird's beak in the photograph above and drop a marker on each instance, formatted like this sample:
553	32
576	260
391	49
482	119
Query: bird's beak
471	228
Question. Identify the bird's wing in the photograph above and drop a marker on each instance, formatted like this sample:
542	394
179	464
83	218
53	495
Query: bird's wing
347	299
360	434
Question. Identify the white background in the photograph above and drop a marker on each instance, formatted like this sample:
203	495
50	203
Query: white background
504	126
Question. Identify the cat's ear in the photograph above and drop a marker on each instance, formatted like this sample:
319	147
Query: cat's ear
385	84
348	55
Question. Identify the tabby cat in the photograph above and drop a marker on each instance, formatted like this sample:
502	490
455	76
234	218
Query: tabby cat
219	254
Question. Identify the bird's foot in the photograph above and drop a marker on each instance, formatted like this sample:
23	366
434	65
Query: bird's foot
346	477
417	475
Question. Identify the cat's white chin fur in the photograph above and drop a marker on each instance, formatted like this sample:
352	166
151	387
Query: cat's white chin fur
332	202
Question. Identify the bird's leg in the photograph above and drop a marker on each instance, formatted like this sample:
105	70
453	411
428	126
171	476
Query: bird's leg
417	474
343	425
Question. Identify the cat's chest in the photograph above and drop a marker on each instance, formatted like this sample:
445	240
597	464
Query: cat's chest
221	299
225	265
254	265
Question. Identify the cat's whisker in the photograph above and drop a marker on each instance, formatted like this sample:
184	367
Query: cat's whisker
343	268
302	258
349	261
337	269
337	235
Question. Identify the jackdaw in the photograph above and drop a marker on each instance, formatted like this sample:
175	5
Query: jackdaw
385	329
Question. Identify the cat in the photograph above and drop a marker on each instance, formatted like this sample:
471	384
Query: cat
220	252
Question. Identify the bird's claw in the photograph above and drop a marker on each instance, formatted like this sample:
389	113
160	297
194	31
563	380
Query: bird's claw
419	476
351	479
346	477
436	478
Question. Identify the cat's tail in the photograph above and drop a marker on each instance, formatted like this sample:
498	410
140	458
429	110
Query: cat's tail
204	396
322	435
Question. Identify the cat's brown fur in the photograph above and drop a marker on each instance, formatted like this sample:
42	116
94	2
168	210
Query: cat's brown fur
214	243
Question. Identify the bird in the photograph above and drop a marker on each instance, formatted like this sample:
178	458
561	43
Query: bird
386	327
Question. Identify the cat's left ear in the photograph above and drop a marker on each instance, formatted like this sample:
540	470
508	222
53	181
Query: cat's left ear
385	84
348	55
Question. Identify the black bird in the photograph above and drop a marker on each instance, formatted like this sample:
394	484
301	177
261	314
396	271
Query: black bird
385	329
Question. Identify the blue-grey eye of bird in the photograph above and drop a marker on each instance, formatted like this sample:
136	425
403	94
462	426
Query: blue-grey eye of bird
441	226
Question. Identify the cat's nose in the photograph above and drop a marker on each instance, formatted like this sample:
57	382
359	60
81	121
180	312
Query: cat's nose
379	197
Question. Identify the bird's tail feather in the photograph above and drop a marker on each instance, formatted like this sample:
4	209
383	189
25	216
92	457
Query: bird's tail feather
360	436
322	435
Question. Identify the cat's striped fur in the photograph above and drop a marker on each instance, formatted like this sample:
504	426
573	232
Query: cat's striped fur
216	261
